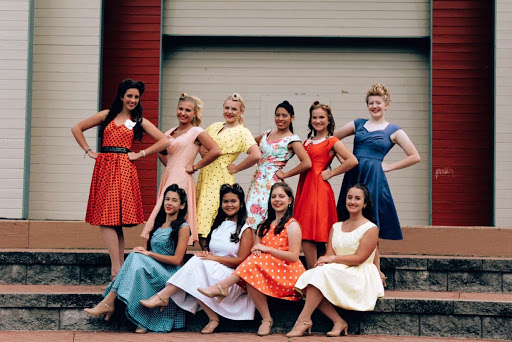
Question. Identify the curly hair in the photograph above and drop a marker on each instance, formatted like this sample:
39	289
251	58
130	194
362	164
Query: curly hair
198	107
235	97
379	90
264	226
330	126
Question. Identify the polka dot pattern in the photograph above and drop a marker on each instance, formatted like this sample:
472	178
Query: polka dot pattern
270	275
114	196
232	142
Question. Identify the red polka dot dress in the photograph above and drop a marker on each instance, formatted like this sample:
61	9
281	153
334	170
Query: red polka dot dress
272	276
114	197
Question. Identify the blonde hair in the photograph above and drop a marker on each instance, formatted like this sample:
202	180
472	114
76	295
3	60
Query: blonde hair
235	97
198	107
379	90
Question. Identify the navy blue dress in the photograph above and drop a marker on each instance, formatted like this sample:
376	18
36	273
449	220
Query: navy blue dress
370	148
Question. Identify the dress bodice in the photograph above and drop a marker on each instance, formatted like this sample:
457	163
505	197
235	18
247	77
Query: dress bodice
347	243
276	152
319	153
232	141
374	144
160	242
183	150
220	243
277	241
119	136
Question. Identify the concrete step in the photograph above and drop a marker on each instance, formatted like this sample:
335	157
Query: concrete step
405	273
436	314
102	336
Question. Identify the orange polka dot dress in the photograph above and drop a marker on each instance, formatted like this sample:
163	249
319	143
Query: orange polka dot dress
272	276
114	197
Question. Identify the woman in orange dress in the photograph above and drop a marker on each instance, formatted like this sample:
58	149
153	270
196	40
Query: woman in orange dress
114	197
274	266
316	207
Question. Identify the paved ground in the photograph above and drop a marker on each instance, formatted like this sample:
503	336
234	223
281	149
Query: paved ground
72	336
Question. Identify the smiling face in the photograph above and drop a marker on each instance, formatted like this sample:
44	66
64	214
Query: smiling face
185	112
376	106
280	200
232	111
282	118
131	99
172	203
319	120
231	205
355	200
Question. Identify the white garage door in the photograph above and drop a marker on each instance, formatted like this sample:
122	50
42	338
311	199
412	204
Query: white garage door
338	76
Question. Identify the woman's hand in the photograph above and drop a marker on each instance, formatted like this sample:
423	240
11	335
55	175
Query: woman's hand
326	175
205	255
189	169
324	260
386	167
258	248
132	156
92	154
232	169
280	174
141	250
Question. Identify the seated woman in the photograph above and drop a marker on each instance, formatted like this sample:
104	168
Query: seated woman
276	250
346	275
229	243
145	270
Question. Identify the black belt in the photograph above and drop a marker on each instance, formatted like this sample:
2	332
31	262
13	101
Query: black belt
114	149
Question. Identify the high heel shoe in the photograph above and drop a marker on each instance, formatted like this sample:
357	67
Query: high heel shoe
300	328
383	278
337	331
210	327
265	327
101	309
140	330
161	305
220	295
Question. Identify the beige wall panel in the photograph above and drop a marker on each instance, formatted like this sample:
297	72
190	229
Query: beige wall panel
14	37
503	148
65	91
337	76
372	18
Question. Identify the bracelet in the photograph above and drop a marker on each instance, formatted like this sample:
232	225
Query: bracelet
86	151
143	153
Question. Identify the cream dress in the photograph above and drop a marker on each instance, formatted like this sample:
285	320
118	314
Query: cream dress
349	287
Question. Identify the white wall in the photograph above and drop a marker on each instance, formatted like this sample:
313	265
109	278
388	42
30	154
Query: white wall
503	163
65	91
338	76
14	37
324	18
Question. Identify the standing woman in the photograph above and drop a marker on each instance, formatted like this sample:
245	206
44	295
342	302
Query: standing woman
185	141
372	141
233	138
277	147
316	207
114	197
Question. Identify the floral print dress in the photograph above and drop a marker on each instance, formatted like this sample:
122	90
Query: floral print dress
274	156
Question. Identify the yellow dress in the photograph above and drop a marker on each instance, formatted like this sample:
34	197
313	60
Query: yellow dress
232	142
349	287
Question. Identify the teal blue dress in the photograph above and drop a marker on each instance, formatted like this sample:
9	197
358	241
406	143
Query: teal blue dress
140	278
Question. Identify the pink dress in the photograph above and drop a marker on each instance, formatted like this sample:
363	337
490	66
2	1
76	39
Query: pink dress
182	152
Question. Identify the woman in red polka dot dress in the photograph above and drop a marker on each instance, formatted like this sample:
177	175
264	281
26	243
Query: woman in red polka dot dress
274	266
114	197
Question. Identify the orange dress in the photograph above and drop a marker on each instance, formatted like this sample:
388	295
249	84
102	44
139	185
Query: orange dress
315	206
270	275
114	197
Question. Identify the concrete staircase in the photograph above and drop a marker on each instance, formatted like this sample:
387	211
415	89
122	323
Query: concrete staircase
435	296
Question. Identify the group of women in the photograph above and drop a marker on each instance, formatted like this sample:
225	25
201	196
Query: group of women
237	270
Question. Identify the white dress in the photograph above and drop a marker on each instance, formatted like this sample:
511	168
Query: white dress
204	273
349	287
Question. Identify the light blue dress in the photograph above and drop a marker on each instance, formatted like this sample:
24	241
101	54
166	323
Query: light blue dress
140	278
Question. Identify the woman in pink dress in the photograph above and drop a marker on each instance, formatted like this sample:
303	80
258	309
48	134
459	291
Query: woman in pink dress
185	141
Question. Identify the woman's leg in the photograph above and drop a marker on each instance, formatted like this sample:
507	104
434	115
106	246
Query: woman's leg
310	253
220	289
120	238
111	238
376	262
161	299
260	301
213	318
105	307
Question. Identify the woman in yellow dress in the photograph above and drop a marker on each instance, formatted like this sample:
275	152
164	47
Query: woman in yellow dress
345	276
233	138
